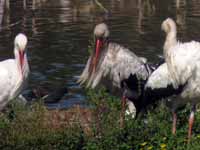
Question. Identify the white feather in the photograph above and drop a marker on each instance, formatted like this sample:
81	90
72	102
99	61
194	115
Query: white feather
131	110
160	78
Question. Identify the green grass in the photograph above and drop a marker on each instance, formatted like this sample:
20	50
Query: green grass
23	127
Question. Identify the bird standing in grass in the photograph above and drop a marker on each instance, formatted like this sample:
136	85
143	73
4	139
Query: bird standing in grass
181	73
14	72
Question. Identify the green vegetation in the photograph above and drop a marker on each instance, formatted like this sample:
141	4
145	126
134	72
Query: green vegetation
24	127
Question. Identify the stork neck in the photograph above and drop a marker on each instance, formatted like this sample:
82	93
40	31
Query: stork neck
170	41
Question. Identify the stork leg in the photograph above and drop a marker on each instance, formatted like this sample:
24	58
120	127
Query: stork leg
174	123
123	103
191	121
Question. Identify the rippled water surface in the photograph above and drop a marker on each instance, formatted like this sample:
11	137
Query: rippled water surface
59	32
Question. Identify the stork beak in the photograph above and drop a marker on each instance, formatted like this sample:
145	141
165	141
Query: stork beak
21	58
99	44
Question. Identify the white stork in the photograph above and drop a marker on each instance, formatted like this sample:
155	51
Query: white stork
180	73
160	83
14	72
118	64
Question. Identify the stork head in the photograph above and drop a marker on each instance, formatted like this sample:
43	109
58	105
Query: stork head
101	34
168	25
101	31
20	46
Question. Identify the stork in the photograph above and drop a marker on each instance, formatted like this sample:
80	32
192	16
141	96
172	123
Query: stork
181	72
14	72
120	65
183	62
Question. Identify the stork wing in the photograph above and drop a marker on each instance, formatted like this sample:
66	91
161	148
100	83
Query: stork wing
160	78
85	74
160	84
126	64
118	63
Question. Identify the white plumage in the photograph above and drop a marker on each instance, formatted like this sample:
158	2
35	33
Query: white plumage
160	78
14	72
183	63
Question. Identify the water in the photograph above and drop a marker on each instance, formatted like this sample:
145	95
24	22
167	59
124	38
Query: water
59	33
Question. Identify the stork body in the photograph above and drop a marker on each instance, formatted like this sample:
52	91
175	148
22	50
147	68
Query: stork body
14	72
184	67
183	62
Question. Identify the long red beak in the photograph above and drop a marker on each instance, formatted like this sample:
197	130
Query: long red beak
21	58
99	44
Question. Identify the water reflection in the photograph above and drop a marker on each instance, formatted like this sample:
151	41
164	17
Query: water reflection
59	32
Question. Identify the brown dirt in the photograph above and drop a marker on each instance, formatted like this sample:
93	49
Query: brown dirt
59	119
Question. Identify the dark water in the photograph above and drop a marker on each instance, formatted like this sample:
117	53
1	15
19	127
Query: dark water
59	32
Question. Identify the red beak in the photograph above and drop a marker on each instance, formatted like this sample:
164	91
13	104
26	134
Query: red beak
21	58
99	44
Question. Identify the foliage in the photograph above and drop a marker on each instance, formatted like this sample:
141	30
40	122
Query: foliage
23	127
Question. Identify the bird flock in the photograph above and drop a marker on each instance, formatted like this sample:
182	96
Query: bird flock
141	83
